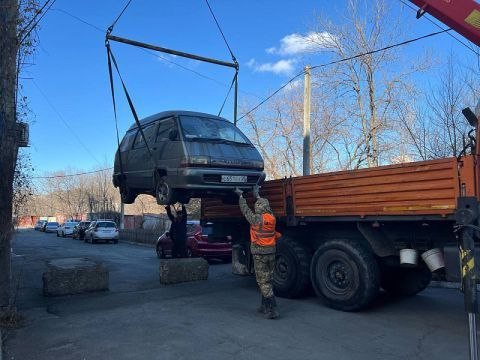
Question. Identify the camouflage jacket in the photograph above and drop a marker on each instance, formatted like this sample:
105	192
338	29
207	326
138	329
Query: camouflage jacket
254	219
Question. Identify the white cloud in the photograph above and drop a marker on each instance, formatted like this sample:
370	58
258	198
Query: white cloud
294	44
284	67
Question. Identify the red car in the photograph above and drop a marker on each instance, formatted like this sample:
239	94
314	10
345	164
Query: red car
197	244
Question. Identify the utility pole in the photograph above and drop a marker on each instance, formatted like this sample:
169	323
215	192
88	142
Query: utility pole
122	215
306	123
8	144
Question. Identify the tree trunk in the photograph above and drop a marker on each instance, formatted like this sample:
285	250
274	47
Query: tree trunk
8	148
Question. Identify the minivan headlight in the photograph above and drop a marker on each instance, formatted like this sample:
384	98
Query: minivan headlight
195	161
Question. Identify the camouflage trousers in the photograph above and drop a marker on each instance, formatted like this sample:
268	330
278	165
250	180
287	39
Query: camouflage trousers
264	265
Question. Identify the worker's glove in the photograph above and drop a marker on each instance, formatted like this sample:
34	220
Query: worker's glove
238	191
256	191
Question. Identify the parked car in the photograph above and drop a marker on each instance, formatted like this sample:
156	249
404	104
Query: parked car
191	155
102	230
39	225
51	227
197	244
66	229
79	230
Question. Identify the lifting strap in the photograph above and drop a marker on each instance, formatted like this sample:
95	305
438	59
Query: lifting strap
112	90
111	59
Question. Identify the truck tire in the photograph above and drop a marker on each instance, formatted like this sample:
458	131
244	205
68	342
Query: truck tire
291	277
399	281
345	274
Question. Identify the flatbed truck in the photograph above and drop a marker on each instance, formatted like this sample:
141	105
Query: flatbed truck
343	231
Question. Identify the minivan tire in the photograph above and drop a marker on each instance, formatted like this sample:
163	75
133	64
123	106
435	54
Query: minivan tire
127	195
164	194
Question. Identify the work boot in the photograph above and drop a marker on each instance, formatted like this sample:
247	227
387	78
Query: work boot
262	307
271	308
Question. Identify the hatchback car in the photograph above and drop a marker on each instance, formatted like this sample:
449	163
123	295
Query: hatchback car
186	154
66	229
51	227
197	244
105	230
79	230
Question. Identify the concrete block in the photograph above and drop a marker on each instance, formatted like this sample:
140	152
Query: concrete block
74	276
174	271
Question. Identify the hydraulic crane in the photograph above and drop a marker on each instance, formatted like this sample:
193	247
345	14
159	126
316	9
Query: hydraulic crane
463	16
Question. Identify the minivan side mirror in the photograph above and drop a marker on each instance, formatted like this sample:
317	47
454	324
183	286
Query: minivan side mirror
173	134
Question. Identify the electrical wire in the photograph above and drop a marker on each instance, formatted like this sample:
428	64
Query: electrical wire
22	39
439	26
71	175
33	19
67	125
340	61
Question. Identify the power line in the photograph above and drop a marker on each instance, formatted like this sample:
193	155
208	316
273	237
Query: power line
65	122
440	27
33	18
38	21
70	175
340	61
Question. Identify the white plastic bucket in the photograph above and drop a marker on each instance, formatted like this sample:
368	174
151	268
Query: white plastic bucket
408	257
434	259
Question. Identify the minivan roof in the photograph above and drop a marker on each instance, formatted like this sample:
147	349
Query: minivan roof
169	113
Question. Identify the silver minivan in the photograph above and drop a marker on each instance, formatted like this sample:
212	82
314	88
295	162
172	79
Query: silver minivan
189	154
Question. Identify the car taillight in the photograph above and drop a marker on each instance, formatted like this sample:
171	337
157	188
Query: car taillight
195	161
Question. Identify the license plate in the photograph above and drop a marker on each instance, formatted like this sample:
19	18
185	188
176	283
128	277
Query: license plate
234	179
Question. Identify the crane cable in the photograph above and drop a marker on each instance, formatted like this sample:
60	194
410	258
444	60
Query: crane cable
234	59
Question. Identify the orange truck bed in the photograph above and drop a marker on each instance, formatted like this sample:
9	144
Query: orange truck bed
417	188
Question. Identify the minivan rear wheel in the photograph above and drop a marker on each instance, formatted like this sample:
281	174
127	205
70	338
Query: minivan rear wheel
163	192
126	194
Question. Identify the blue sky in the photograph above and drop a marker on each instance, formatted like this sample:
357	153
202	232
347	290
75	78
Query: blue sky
74	128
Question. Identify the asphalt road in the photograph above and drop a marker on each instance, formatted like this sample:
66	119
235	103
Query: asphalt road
140	319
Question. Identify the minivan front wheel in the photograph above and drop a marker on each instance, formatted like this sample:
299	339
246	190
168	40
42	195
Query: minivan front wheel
163	192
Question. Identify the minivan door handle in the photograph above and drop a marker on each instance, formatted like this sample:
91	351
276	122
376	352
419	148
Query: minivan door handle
154	148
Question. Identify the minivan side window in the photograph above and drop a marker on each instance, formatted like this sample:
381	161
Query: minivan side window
164	129
149	132
127	141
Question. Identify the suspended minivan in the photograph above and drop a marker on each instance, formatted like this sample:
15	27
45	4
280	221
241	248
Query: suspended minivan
186	154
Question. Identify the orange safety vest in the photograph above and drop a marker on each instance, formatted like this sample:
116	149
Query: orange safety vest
264	234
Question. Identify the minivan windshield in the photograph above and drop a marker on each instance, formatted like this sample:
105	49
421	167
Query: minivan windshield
206	129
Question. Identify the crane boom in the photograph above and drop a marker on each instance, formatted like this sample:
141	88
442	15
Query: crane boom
463	16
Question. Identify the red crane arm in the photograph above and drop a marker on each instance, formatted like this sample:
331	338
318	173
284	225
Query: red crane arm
463	16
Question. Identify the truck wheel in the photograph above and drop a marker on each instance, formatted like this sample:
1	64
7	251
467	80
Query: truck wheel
291	277
345	274
399	281
164	194
127	195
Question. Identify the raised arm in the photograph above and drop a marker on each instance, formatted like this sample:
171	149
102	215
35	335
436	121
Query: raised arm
251	217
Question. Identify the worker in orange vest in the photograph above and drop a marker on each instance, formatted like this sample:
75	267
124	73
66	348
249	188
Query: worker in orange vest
263	239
